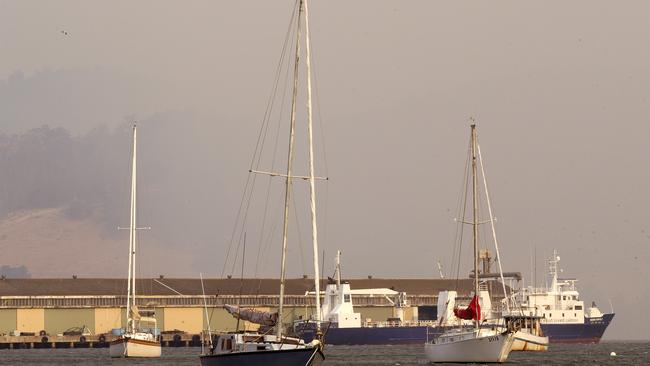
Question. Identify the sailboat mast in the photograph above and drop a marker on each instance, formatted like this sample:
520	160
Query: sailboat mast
287	196
130	298
312	185
475	215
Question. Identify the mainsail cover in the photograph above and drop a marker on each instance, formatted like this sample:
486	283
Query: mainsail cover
473	311
252	315
135	313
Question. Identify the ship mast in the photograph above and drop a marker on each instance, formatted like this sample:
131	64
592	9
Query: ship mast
287	196
130	297
475	217
311	177
312	185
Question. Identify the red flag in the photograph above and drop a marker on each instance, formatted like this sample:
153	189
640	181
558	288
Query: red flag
473	311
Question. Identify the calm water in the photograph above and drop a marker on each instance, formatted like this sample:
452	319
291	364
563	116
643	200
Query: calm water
592	355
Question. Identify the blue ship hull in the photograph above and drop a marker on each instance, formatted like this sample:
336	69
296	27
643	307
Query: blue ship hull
589	332
372	335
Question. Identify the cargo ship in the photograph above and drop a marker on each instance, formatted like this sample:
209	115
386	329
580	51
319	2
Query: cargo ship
562	315
564	318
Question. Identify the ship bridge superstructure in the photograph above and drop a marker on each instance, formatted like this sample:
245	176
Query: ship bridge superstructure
560	301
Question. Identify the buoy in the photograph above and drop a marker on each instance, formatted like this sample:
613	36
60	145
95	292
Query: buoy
612	353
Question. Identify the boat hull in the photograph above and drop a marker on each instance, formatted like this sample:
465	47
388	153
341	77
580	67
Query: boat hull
525	341
292	357
126	347
590	332
492	349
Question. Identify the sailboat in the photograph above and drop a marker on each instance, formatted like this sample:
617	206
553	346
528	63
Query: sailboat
477	343
139	338
257	348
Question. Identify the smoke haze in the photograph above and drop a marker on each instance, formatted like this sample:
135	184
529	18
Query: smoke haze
560	92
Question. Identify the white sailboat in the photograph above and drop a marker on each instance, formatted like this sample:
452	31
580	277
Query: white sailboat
139	339
474	344
255	348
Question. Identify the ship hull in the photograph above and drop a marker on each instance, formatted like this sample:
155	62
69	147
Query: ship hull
125	347
590	332
373	335
294	357
485	349
525	341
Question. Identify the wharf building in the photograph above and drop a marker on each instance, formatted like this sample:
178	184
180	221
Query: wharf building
31	306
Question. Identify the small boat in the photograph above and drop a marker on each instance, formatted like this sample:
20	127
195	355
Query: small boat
253	348
471	344
529	335
139	338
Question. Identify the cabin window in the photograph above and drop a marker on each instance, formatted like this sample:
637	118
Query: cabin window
575	315
563	315
578	307
550	315
346	298
228	343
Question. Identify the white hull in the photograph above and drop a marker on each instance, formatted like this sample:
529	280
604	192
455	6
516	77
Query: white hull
484	348
525	341
134	348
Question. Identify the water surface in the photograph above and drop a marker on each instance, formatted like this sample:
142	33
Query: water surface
628	353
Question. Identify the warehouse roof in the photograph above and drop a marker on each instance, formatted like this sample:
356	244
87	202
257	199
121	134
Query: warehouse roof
233	286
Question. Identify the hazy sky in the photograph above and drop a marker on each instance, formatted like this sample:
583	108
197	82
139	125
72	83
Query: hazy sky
560	91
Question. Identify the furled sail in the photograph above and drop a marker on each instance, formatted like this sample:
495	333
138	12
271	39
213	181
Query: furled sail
473	311
252	315
135	313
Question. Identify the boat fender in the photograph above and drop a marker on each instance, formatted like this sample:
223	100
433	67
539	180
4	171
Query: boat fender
102	338
82	339
42	333
44	340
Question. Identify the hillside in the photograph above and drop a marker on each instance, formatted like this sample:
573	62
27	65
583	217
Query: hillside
81	247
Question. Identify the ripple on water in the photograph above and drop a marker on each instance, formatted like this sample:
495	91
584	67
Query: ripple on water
627	353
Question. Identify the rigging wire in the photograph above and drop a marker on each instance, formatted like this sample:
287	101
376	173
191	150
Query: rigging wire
250	179
261	247
323	146
462	207
300	241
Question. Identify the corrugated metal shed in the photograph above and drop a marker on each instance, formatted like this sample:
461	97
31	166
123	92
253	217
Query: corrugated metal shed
150	286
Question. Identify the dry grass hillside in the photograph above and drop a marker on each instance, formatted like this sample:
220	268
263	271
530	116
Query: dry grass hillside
81	247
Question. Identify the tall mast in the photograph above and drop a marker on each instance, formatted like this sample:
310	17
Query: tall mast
475	217
287	196
130	298
312	186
